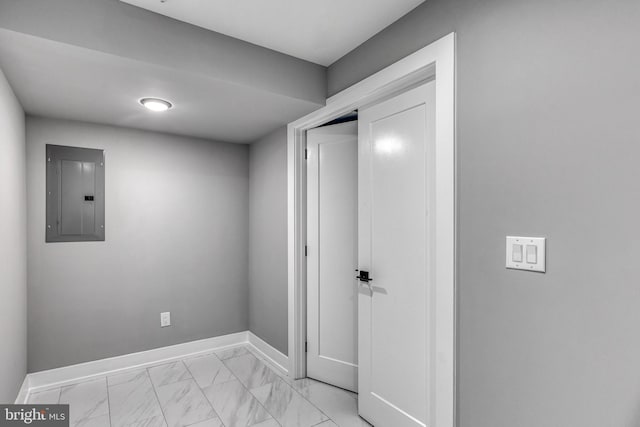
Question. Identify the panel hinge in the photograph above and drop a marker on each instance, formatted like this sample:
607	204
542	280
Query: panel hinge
306	346
306	154
306	251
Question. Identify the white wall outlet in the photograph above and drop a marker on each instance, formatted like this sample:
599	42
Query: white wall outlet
165	319
526	253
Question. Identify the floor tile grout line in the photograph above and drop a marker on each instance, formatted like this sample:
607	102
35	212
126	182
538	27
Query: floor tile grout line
347	392
220	382
203	393
186	365
300	394
106	381
329	385
273	368
263	358
314	405
169	363
95	379
266	363
125	382
247	389
153	387
309	402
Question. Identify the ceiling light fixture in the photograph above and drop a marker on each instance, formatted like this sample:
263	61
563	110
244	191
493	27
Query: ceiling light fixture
156	104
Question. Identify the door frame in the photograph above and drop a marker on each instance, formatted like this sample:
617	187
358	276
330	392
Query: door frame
437	60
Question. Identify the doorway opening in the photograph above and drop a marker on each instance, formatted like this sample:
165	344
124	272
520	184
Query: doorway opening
433	63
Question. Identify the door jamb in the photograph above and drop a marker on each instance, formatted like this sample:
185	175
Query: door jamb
437	59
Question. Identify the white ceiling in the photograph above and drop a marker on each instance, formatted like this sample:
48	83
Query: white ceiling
320	31
64	81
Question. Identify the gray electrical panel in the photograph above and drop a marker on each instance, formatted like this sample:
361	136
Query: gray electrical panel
75	194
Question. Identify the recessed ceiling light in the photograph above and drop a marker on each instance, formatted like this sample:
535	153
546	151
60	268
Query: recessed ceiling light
156	104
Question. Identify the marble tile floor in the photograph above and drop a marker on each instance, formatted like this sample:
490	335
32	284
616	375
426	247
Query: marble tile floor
229	388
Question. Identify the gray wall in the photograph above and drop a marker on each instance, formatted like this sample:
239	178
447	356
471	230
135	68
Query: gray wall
13	245
548	145
176	240
268	239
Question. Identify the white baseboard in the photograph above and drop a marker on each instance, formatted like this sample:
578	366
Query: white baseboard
38	381
23	394
270	353
83	371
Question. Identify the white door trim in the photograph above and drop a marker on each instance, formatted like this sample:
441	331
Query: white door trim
435	60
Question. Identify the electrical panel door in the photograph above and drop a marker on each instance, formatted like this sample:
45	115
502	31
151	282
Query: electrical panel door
75	194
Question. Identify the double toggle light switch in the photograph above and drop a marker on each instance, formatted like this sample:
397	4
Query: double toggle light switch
526	253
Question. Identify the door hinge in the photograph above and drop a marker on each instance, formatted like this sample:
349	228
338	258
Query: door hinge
306	346
306	154
306	251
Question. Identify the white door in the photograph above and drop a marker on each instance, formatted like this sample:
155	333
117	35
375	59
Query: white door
332	226
396	151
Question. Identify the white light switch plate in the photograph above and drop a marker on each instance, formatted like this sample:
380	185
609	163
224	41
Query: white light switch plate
165	319
526	253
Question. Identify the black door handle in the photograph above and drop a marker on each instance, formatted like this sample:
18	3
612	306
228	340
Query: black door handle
364	276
